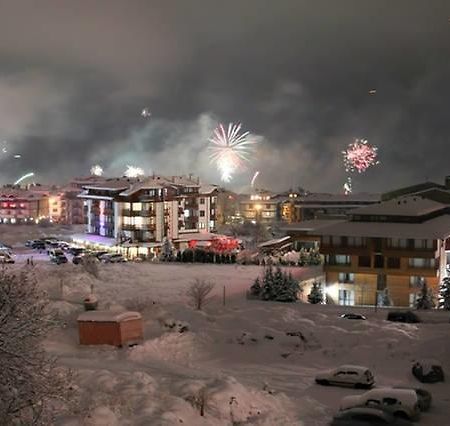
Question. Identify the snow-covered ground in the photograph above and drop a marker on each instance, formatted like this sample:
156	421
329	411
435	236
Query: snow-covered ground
237	356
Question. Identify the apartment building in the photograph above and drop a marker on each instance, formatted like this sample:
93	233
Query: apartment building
147	210
298	207
20	205
388	248
261	206
207	208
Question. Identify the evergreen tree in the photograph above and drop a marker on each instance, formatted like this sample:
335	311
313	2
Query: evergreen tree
444	294
288	292
303	258
316	295
268	287
255	289
167	250
425	299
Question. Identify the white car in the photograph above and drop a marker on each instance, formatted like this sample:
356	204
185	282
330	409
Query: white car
347	375
402	403
367	417
6	258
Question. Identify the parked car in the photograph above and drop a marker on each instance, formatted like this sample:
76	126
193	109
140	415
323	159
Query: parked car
57	256
38	245
6	258
29	243
347	375
76	250
112	258
365	416
398	402
79	258
403	316
428	371
63	245
424	397
99	254
353	316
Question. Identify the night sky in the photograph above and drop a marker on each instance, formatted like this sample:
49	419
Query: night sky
75	75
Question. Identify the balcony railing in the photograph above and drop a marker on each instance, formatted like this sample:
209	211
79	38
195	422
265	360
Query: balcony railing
145	227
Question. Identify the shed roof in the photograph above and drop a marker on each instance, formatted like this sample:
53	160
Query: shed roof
108	316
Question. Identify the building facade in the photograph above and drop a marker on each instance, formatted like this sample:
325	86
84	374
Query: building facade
20	205
262	207
148	210
386	252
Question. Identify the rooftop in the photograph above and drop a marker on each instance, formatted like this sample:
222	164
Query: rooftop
317	197
437	228
404	206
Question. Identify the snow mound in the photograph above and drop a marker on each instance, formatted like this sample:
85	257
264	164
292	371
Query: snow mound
101	416
178	347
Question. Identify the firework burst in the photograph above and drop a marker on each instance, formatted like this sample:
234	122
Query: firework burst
359	156
97	170
230	149
133	171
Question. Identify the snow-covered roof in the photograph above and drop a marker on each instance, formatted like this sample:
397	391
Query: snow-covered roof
112	184
108	316
317	197
310	225
148	183
274	242
436	228
207	189
402	206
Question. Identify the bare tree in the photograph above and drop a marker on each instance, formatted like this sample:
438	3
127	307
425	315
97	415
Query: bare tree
30	383
199	293
90	265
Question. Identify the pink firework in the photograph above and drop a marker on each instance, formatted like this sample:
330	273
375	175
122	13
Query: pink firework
359	156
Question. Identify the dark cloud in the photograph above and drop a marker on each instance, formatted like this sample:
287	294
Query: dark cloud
76	75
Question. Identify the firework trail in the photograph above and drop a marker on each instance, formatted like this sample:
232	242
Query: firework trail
348	186
96	170
146	113
359	156
23	178
230	149
252	183
133	171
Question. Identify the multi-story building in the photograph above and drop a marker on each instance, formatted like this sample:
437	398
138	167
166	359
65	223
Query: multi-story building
262	206
20	205
388	249
298	207
207	208
148	210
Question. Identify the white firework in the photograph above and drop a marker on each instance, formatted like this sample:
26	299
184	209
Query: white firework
97	170
230	150
146	113
133	171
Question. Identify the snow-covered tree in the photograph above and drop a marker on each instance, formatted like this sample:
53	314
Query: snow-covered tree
167	250
268	291
425	299
316	295
255	289
444	294
29	382
289	289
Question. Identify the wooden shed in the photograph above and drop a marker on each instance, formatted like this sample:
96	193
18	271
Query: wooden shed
110	328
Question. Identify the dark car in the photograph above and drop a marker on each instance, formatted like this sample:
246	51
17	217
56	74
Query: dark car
99	254
428	371
403	316
38	245
353	316
59	259
76	251
423	396
365	416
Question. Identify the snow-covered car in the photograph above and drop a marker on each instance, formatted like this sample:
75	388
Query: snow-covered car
398	402
350	315
6	258
57	256
424	397
403	316
428	371
365	416
112	258
347	375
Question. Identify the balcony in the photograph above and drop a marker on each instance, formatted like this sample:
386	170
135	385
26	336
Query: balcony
144	227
